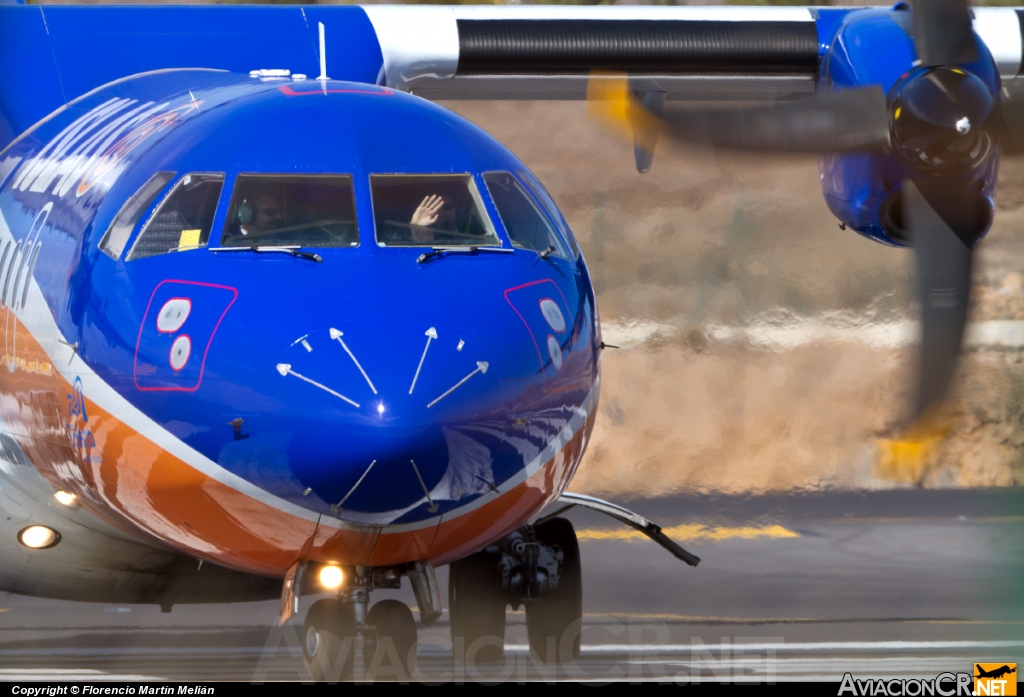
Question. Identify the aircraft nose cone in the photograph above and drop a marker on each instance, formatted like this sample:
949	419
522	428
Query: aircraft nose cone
381	400
396	426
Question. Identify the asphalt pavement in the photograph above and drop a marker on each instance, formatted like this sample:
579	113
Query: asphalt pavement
891	584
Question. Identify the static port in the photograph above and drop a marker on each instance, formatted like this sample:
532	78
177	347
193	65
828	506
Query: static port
331	577
39	537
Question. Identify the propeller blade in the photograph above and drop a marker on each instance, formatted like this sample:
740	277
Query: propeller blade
611	101
945	218
826	122
1012	141
643	143
942	32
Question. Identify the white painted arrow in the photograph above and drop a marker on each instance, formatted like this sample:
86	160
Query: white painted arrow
481	367
286	369
431	334
336	334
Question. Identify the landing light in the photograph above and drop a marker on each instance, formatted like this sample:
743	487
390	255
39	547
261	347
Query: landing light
65	497
38	537
331	577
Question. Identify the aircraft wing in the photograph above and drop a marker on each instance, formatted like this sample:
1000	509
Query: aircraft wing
691	52
52	54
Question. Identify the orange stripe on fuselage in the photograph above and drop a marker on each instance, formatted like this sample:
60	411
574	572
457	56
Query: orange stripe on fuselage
129	481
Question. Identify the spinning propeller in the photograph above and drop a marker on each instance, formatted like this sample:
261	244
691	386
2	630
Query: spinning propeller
942	121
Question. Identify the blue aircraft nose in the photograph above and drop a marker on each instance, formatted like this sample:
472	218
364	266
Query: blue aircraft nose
380	421
398	404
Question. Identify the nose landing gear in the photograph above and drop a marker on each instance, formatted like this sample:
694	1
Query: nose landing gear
328	640
391	645
338	631
536	566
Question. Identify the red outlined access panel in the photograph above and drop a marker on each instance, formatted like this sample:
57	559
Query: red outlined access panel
157	353
533	303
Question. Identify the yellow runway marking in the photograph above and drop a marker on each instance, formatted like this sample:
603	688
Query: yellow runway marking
694	532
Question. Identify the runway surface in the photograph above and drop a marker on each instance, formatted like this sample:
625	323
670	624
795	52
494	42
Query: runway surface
891	584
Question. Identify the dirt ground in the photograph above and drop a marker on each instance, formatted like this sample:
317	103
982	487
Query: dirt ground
763	348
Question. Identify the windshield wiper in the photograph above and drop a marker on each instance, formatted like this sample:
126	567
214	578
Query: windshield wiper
438	252
293	250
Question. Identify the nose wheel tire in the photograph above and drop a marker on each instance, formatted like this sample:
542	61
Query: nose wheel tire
329	641
476	607
390	650
554	621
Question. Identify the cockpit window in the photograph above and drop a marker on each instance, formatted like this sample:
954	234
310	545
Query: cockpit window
527	227
183	220
429	210
287	210
116	236
553	211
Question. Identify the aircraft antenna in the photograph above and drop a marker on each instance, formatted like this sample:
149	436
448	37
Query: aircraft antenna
323	54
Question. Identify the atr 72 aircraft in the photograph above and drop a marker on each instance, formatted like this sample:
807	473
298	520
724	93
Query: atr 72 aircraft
265	309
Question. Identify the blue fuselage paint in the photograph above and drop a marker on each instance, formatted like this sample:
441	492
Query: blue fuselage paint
54	54
252	313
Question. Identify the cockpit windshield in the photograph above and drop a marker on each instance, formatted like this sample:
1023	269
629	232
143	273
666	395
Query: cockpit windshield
284	210
427	210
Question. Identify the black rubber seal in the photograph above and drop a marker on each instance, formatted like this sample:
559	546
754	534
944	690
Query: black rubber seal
531	47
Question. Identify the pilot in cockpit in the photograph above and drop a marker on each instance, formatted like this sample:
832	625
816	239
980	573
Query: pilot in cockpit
259	212
434	212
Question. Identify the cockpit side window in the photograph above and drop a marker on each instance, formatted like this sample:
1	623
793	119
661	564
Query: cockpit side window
116	236
527	227
292	210
555	214
429	210
183	220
